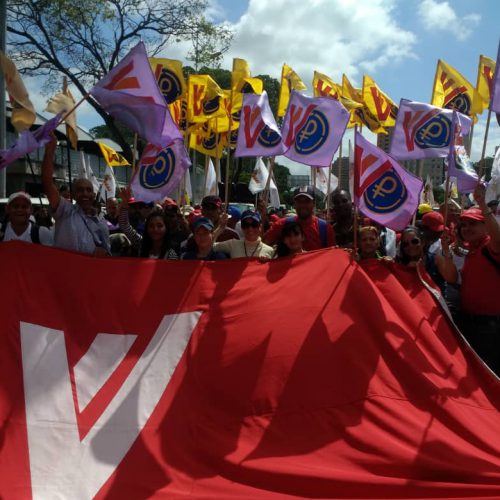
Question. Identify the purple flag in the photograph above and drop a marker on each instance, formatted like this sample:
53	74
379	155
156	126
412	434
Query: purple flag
130	93
313	128
384	191
495	93
258	134
423	131
459	163
29	141
160	171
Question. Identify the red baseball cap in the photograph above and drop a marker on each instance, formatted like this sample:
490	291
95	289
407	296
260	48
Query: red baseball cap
473	214
433	221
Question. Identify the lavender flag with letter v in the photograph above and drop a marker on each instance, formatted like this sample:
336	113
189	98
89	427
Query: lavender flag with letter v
423	131
130	93
383	190
29	141
459	163
313	128
160	171
258	134
495	89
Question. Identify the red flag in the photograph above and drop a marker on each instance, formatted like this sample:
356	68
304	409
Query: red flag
244	380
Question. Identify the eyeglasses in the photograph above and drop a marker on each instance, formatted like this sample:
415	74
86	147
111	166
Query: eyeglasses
246	225
414	241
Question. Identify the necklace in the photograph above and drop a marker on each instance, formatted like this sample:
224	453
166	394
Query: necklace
254	250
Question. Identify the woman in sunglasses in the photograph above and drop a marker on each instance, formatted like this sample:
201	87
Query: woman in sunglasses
252	244
411	252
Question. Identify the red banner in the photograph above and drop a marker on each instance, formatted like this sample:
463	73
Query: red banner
236	379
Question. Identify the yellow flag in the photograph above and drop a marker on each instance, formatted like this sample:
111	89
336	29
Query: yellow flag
211	144
485	73
453	91
170	78
324	86
379	103
23	112
204	99
64	102
113	159
362	115
241	70
289	81
178	110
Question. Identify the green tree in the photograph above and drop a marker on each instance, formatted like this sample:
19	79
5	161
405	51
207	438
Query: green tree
84	40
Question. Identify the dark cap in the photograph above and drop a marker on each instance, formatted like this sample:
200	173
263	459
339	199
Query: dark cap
307	191
250	214
203	222
211	200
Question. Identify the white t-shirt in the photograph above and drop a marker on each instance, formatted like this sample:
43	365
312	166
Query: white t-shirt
46	236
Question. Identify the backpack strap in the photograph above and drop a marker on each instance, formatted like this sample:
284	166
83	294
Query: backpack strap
35	233
323	226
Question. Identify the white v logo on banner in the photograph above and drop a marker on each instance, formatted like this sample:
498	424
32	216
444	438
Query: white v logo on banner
62	465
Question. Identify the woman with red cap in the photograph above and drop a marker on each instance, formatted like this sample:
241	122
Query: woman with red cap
479	318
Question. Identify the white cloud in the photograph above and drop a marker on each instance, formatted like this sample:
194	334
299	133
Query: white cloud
331	36
441	16
478	138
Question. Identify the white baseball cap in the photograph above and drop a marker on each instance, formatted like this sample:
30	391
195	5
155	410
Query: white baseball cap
20	194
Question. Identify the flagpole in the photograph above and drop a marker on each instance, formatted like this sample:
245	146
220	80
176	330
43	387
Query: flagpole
446	196
3	103
435	81
485	140
340	165
420	173
85	97
228	158
265	193
328	193
355	211
34	177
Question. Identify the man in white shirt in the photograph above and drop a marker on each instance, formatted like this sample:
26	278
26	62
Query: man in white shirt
18	226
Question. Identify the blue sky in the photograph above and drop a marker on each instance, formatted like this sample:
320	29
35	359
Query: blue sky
396	42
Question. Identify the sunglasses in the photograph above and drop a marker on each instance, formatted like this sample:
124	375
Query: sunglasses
414	241
246	225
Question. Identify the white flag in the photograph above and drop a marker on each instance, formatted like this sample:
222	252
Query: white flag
274	196
258	183
86	172
108	187
493	189
188	190
427	194
321	180
258	179
210	180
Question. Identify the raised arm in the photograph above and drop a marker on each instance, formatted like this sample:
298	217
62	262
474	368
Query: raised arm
123	220
49	187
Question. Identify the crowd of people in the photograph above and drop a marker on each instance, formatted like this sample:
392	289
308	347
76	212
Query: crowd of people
459	251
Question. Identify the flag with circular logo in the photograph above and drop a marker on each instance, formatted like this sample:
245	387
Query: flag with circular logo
160	171
313	128
258	134
383	190
424	131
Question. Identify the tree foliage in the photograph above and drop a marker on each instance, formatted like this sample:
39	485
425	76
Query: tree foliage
84	40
